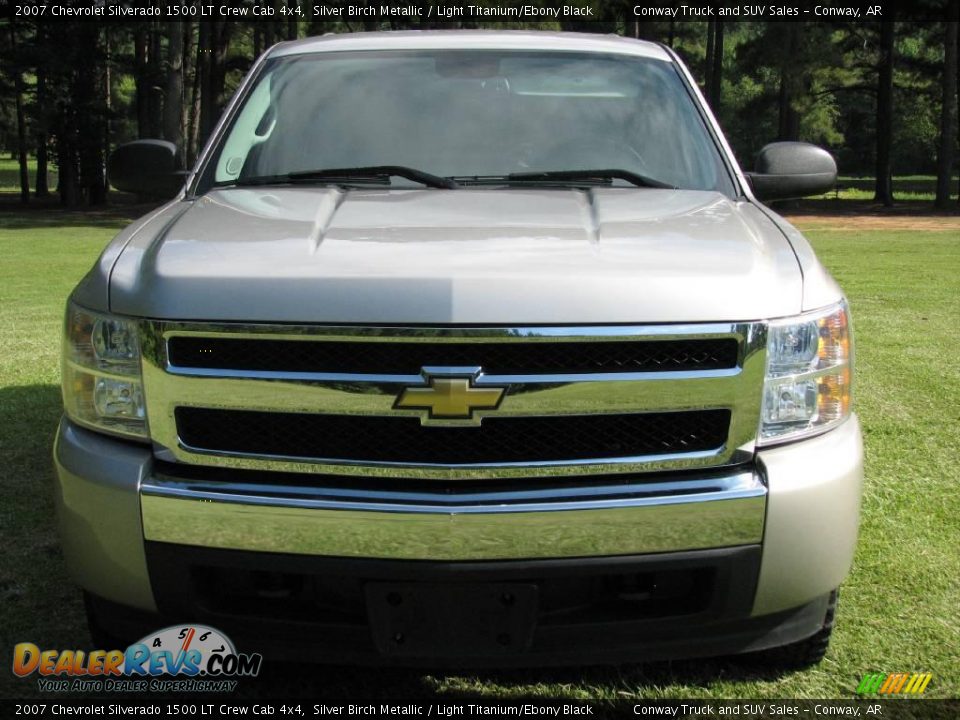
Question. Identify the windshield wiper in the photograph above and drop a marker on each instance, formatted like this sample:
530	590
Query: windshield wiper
336	176
565	177
607	175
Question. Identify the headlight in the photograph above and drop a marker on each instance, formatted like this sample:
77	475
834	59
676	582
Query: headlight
809	371
102	388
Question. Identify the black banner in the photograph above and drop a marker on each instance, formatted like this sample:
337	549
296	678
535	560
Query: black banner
202	707
436	12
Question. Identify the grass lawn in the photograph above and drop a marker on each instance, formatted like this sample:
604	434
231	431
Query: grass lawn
906	188
10	175
898	609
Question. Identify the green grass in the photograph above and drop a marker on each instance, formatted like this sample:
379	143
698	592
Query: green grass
906	188
898	609
10	175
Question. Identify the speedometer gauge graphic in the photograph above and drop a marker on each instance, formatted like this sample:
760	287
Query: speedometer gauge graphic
181	640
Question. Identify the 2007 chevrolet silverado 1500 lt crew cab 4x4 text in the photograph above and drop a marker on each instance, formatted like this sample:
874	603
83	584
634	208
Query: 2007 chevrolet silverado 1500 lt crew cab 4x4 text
467	348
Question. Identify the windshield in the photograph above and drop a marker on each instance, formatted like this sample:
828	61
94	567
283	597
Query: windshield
478	115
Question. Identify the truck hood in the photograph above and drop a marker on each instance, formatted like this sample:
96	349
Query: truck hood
488	256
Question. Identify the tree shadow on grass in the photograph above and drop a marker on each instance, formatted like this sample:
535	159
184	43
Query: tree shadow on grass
843	207
29	415
48	214
38	601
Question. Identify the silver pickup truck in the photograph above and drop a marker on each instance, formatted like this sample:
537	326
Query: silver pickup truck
464	348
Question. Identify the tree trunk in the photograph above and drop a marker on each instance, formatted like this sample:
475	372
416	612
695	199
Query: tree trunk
370	25
788	126
708	60
108	102
205	72
293	26
196	101
89	99
186	59
948	108
789	119
21	122
43	189
883	191
155	75
173	100
141	80
716	67
214	43
275	27
67	173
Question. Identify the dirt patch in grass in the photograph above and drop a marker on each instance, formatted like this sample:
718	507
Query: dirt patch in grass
864	223
866	215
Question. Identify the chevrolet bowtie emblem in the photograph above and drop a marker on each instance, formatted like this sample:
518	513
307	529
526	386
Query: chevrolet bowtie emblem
451	397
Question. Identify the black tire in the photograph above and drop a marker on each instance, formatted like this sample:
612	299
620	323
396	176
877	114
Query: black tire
805	653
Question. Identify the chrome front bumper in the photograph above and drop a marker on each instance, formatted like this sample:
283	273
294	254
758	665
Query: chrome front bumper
721	510
801	501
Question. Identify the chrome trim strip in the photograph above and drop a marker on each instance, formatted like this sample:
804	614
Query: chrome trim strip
374	397
498	334
341	465
621	519
481	379
738	389
98	371
744	484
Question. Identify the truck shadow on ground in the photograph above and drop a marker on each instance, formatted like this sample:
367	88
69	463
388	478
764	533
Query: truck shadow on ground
610	682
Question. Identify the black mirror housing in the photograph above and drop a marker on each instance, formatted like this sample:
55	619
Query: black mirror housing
146	167
790	170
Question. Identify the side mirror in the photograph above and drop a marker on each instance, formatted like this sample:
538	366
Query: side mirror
789	170
146	167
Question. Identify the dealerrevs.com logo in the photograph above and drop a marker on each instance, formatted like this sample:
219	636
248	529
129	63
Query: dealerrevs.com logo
190	658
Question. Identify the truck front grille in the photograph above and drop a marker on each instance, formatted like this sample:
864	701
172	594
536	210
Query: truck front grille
355	438
575	401
496	358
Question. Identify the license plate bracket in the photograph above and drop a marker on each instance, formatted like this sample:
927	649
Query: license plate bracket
454	619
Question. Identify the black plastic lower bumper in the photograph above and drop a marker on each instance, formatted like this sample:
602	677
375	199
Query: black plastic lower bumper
468	614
